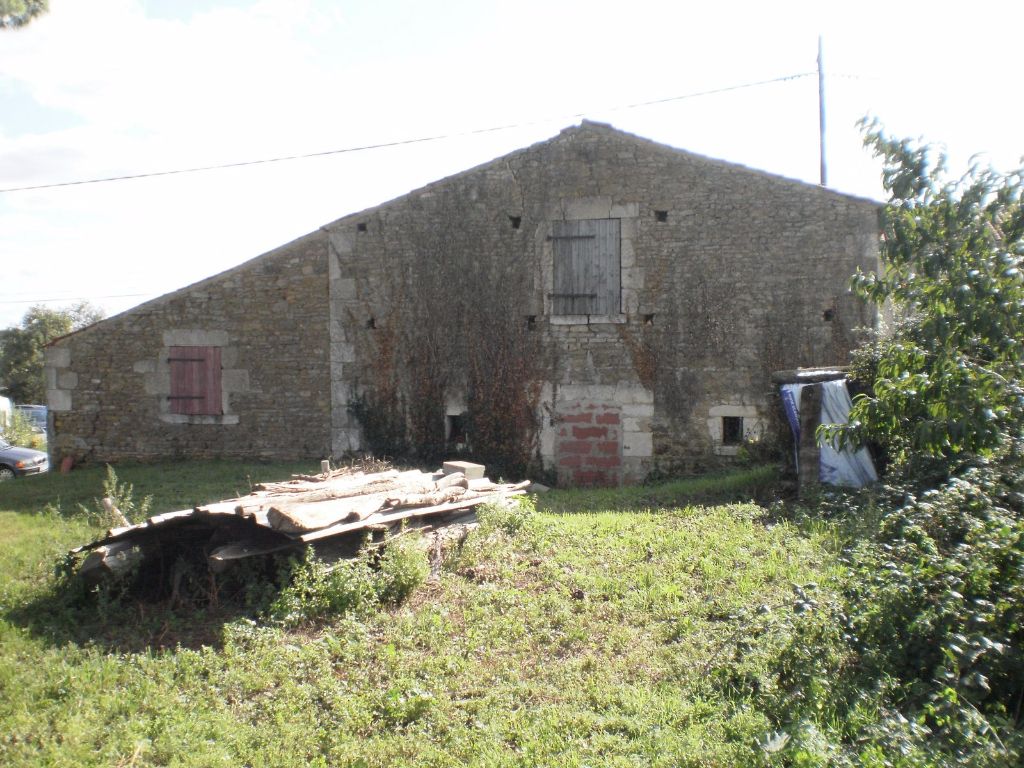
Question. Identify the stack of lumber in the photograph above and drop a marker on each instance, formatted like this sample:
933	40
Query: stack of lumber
307	509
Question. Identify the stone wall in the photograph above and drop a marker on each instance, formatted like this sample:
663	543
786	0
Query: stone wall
108	385
727	274
437	310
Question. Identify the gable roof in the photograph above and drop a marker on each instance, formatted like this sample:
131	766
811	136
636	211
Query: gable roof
584	128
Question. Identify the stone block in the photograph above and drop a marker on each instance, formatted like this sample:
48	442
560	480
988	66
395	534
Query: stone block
624	211
67	380
469	469
235	380
344	288
58	400
57	357
144	366
586	208
638	444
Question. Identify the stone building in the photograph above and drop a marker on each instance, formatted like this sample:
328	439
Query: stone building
599	302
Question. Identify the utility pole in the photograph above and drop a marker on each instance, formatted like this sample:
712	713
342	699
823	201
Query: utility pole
821	112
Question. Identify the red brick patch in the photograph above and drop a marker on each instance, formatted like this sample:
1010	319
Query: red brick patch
573	461
574	446
577	418
606	462
608	447
594	477
608	418
586	433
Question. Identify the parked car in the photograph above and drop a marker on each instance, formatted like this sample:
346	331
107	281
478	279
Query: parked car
18	462
36	415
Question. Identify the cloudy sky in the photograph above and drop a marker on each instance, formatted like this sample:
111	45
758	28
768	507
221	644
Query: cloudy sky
122	87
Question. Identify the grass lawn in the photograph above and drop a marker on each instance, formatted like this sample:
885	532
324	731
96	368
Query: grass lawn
598	638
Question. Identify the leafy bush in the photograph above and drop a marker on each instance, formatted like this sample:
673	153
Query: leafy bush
316	590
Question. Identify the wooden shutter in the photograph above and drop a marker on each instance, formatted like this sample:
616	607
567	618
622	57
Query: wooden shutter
195	380
587	267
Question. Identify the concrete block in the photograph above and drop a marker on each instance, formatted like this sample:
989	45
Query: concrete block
469	469
144	366
67	380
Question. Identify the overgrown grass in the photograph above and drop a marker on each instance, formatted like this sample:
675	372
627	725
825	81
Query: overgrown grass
173	485
597	638
754	484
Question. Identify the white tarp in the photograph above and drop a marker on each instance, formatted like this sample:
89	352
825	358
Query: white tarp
837	467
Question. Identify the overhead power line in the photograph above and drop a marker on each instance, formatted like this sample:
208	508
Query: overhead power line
78	298
404	142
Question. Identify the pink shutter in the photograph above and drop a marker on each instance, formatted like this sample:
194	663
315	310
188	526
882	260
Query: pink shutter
211	382
195	380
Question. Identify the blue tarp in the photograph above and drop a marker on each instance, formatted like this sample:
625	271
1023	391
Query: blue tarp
838	467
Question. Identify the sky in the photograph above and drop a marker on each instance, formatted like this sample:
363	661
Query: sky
123	87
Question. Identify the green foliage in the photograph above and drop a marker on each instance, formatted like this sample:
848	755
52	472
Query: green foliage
121	496
18	13
948	380
21	348
400	570
18	431
315	590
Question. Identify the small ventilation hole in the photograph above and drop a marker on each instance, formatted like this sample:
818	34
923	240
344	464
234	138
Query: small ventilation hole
371	323
361	226
661	216
515	221
828	315
649	319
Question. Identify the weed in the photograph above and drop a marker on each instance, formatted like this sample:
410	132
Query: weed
118	503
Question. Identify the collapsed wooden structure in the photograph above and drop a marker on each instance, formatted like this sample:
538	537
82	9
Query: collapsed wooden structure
334	511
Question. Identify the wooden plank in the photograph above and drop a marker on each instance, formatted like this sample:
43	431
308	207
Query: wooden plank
587	267
394	517
290	517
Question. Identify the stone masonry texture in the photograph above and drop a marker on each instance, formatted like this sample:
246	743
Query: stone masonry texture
727	274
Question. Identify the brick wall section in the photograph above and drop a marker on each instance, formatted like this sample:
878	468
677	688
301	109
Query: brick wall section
107	384
588	449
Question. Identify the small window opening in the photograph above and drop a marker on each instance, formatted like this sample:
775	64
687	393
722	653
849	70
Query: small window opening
361	226
455	432
515	221
371	323
649	319
661	216
732	430
828	315
531	321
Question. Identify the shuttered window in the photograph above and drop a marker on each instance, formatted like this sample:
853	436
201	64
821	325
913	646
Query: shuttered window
587	267
195	381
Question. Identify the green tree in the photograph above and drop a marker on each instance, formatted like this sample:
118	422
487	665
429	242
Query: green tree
947	381
18	13
21	347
